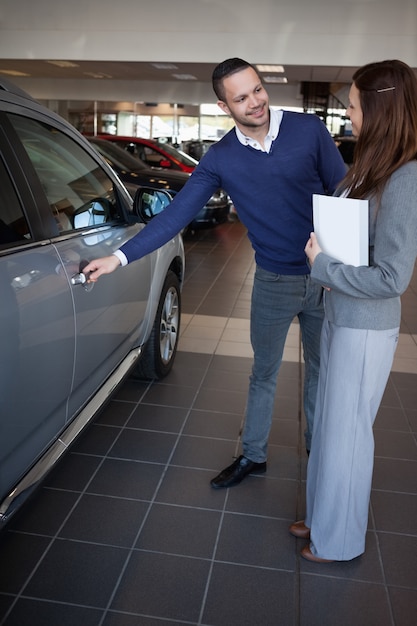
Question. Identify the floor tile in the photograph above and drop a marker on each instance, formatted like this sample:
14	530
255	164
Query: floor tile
326	601
127	479
153	417
190	487
143	445
52	508
87	573
404	606
242	540
395	475
22	553
218	425
162	585
399	559
105	520
262	495
246	596
49	613
180	530
389	508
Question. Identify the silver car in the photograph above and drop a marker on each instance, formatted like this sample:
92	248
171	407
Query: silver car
65	343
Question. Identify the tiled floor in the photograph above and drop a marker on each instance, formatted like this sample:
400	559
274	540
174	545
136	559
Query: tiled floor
126	530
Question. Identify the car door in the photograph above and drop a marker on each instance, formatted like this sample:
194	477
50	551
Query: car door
37	329
85	210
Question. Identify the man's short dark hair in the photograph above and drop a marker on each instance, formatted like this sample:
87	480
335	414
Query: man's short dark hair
227	68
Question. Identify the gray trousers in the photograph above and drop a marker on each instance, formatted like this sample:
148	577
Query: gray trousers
354	370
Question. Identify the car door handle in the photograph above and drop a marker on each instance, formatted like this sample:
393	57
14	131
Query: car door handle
79	279
82	279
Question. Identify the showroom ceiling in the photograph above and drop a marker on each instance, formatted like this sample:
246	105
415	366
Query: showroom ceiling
158	71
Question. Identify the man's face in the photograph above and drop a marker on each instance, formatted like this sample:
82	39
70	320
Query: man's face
246	100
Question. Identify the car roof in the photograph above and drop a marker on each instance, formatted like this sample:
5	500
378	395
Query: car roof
6	85
126	138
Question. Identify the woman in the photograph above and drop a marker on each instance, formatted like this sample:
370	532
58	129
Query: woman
362	311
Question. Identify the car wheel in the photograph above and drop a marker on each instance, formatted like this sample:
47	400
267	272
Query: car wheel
161	347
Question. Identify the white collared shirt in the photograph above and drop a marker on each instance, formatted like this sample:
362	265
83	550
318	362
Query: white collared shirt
275	117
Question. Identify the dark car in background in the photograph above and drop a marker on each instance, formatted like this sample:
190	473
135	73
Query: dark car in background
346	146
155	153
197	148
66	344
133	172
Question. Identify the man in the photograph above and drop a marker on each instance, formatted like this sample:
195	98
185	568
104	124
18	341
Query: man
270	163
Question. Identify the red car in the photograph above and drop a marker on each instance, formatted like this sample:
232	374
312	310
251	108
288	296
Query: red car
154	153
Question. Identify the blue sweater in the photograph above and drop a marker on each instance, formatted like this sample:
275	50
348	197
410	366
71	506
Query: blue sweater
272	192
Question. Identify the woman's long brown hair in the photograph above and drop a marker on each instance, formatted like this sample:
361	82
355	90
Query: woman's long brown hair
388	137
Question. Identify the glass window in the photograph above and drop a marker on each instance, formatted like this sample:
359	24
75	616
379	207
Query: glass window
79	192
13	225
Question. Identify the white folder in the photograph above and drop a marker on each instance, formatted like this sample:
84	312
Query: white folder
341	226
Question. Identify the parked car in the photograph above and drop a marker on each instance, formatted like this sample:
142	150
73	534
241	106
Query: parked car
134	172
197	148
346	145
66	344
155	153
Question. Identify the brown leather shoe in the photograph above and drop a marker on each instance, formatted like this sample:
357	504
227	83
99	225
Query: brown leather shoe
299	529
306	553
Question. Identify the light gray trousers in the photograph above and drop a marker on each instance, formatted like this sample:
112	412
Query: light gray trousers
354	370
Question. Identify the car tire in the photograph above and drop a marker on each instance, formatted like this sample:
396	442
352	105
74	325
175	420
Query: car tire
160	350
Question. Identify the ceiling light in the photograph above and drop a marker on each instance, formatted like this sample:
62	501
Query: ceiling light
271	68
184	76
164	66
63	64
97	75
13	73
275	79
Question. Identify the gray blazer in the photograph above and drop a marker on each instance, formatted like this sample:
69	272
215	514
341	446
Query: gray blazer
369	297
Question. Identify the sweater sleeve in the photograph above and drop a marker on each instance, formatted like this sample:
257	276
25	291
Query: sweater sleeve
181	211
395	246
330	164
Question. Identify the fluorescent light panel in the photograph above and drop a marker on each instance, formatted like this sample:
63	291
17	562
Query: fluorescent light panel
184	76
13	73
279	69
275	79
164	66
63	64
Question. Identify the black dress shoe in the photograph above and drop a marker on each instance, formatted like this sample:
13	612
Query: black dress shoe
236	472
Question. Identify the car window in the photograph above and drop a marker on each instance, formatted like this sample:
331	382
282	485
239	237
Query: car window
13	224
80	193
152	156
117	156
136	149
181	156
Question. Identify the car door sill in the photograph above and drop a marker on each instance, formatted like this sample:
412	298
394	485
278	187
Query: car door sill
44	465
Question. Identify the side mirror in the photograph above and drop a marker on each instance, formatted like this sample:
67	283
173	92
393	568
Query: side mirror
149	202
165	163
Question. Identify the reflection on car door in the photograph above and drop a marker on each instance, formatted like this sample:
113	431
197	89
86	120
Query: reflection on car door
109	314
82	203
89	222
37	338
